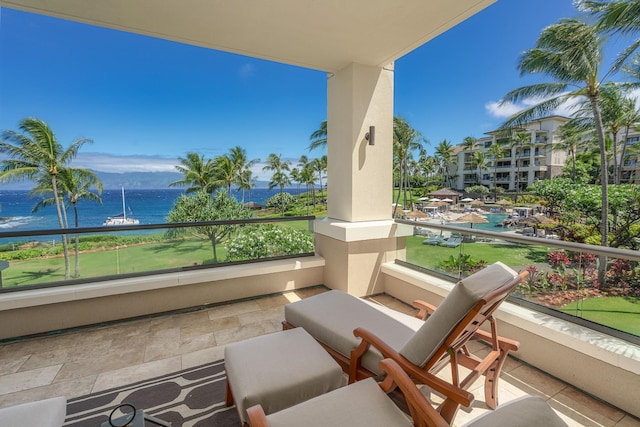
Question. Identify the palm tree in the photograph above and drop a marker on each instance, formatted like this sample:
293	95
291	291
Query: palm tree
405	140
571	140
308	177
496	151
631	119
224	172
198	174
319	165
469	143
247	182
75	184
570	52
280	168
616	17
296	177
444	152
238	156
519	140
319	137
480	162
36	154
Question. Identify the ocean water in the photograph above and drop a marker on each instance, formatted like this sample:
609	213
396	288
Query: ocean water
147	206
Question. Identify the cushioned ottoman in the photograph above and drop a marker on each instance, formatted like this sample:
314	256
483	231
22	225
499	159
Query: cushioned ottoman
278	371
42	413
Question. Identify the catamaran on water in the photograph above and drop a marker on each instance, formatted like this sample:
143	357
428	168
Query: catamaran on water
121	219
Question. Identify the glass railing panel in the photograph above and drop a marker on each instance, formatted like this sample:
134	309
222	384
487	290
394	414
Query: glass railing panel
598	285
37	258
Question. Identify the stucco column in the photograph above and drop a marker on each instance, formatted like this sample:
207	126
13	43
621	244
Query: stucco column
359	234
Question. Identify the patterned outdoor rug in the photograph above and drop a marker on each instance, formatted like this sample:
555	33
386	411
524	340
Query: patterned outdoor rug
189	398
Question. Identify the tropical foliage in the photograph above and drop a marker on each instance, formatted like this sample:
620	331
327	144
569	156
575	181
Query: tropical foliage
201	207
268	240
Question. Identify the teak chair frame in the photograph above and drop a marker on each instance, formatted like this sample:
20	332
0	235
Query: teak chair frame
452	351
420	410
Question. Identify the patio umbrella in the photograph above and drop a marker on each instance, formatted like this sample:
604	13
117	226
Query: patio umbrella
467	199
447	200
422	199
416	215
504	202
473	218
536	219
435	199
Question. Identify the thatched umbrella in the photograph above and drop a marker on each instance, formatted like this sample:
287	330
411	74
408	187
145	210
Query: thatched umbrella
504	202
477	202
535	220
473	218
416	215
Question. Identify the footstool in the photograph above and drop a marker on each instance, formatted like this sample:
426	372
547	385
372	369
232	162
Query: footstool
278	371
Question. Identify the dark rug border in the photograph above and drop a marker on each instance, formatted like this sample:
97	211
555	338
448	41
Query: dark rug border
142	382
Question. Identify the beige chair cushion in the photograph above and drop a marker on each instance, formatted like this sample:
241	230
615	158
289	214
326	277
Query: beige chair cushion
42	413
332	316
361	404
464	295
527	411
279	370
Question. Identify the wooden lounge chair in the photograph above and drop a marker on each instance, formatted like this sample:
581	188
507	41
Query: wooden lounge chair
358	334
365	404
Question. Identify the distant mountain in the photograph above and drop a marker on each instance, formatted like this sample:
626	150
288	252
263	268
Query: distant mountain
128	180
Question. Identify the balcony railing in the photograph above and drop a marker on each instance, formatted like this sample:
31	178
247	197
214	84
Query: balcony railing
36	259
563	279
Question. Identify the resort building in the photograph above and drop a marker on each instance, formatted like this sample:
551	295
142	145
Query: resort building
359	248
537	158
521	164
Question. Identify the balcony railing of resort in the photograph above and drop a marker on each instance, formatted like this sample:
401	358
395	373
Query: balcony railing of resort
33	259
564	278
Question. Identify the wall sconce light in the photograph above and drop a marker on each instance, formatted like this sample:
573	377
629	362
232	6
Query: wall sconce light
371	135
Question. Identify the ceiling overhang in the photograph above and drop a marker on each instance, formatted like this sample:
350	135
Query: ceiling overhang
324	35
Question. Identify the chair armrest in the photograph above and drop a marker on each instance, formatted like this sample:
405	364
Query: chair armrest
504	343
421	410
257	417
421	376
425	309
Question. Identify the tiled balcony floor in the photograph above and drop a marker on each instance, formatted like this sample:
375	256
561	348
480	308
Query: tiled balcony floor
77	363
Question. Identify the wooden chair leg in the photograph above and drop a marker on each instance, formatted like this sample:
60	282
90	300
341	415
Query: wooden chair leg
492	376
228	399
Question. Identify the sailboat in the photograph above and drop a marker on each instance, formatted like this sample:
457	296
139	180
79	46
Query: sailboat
121	219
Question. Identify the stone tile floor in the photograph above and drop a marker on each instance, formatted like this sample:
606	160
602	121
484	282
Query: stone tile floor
98	358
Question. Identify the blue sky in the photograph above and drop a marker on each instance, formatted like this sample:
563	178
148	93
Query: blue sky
146	101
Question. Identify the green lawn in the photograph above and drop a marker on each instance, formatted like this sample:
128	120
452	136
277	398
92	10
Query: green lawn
617	312
514	255
124	259
121	260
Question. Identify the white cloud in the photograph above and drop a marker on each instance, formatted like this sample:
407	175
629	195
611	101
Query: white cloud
508	109
105	162
247	70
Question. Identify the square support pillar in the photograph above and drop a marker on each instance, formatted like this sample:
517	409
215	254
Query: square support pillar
359	233
359	174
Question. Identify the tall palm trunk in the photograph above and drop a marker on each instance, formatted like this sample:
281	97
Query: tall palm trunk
65	248
77	242
604	228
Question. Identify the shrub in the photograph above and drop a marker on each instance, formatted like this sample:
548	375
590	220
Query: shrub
280	201
268	241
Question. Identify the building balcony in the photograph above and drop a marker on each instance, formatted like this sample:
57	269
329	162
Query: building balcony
98	358
114	332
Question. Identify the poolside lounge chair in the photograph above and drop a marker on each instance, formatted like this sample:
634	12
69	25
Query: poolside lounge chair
433	240
365	404
452	242
358	334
